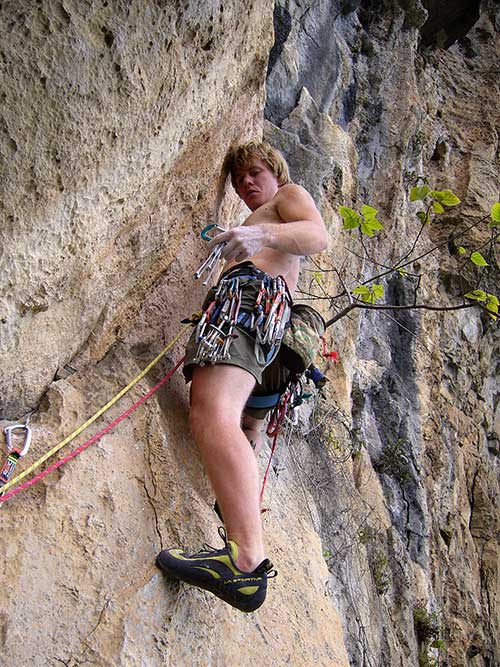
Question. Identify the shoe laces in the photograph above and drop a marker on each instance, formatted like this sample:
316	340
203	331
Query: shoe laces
206	549
223	535
266	567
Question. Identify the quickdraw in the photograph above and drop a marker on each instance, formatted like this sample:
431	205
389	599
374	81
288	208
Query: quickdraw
269	320
215	329
14	453
210	264
286	409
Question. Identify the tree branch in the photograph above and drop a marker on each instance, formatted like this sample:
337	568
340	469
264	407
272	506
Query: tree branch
428	252
418	306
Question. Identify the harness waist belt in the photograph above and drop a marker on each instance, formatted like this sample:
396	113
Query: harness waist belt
267	401
244	270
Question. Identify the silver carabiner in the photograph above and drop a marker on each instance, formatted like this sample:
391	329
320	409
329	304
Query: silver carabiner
9	430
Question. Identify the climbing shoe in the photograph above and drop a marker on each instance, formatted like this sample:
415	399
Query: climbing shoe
215	570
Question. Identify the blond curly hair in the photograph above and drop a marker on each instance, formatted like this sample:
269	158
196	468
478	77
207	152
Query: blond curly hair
238	157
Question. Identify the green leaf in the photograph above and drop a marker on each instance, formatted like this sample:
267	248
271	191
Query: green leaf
477	259
461	250
370	226
362	290
477	295
402	272
368	212
350	217
375	224
492	301
437	207
318	276
495	213
423	217
419	193
364	293
445	197
369	294
492	307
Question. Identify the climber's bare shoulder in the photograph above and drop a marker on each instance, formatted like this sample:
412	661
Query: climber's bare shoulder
292	203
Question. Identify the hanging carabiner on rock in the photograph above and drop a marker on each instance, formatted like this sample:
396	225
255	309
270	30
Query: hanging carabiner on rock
14	452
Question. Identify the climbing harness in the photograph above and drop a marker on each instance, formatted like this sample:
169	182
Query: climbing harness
14	453
90	421
265	320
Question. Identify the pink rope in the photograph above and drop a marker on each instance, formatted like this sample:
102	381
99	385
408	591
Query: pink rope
273	430
275	440
93	439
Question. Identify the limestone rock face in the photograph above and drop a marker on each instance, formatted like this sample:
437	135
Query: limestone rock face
109	110
115	120
410	518
384	521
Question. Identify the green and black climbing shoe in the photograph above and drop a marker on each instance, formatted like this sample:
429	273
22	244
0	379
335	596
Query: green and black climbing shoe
215	570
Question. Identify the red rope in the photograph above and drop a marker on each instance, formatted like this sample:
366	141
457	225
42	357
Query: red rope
94	438
273	430
275	440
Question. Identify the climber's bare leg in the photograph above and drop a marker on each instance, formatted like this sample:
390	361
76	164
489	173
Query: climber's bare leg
218	396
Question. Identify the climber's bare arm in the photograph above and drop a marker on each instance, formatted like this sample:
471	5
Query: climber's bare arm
276	234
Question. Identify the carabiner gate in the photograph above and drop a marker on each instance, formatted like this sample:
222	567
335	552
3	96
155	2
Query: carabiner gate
9	430
204	232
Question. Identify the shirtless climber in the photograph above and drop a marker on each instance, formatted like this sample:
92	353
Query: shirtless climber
284	224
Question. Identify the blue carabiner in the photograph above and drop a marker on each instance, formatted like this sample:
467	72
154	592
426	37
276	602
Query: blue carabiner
204	232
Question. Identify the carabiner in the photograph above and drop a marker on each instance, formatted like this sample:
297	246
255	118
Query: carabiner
9	430
204	232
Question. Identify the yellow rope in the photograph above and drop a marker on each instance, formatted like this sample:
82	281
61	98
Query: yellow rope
92	419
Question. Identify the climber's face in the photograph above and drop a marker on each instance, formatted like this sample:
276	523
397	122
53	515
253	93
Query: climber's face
255	184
